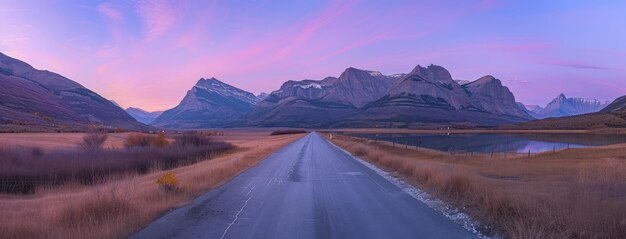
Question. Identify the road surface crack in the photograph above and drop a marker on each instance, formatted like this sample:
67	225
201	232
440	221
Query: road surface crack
238	212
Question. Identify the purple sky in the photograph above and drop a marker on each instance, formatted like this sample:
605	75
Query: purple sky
149	53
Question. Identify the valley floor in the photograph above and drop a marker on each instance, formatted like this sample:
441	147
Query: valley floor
573	193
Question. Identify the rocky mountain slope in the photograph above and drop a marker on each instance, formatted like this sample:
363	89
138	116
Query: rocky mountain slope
530	109
429	95
210	103
46	99
618	105
360	98
311	103
142	115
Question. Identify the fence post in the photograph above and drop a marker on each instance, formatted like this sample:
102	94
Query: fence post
553	149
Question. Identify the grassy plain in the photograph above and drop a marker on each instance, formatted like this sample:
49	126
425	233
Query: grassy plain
119	205
573	193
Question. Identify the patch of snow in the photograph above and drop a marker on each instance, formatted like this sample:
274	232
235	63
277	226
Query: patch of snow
398	75
586	101
228	91
462	82
375	73
307	86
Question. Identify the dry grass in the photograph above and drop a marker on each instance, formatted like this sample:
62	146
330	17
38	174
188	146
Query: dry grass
122	204
145	140
50	141
23	170
93	141
575	193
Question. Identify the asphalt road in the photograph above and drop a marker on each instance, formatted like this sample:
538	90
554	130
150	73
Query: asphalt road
308	189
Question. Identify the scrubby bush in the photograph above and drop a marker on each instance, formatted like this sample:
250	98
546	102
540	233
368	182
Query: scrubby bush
93	141
159	141
137	140
145	140
169	182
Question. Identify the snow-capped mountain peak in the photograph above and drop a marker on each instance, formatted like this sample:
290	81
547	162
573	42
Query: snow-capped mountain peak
216	86
564	106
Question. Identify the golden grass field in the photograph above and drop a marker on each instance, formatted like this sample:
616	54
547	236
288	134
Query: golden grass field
120	205
573	193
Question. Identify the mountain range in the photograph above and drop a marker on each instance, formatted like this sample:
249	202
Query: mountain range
562	106
42	98
362	98
424	97
611	116
429	95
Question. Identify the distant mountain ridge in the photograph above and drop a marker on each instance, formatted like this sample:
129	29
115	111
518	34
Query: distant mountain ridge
142	115
44	98
611	116
209	104
562	106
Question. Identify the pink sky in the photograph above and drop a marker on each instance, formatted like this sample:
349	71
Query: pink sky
147	54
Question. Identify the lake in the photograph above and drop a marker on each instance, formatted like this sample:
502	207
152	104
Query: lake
490	142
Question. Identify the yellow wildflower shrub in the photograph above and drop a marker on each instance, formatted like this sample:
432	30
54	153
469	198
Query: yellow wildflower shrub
169	182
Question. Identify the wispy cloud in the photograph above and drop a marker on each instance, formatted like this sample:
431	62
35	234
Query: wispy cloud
333	11
109	11
578	65
157	16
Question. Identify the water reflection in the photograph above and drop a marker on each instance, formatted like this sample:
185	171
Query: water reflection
488	142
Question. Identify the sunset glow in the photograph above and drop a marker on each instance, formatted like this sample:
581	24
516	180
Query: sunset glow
149	53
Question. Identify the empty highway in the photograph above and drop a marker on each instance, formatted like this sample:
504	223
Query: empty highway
308	189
